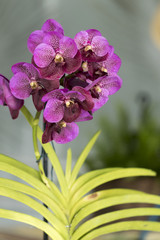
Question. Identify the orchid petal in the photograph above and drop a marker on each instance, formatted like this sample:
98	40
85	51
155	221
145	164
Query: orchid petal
54	110
43	55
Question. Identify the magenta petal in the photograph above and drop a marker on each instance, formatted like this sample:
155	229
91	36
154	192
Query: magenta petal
92	33
19	85
72	64
43	55
112	84
112	64
100	46
67	47
84	116
26	68
55	94
81	39
98	103
54	111
35	39
52	25
67	134
52	39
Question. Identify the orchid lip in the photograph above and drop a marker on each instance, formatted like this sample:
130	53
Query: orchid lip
87	48
104	69
58	58
34	84
62	124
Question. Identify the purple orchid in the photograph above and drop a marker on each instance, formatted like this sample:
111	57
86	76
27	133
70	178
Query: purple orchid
92	45
7	99
26	81
56	55
37	36
61	132
102	87
66	105
105	68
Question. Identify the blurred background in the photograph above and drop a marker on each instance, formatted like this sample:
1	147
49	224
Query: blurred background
130	121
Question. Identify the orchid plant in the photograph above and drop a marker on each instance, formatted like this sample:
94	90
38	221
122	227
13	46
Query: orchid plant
69	80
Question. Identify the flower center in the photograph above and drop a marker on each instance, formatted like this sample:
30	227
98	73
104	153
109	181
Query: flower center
58	58
87	48
104	69
98	89
34	84
85	67
62	124
68	103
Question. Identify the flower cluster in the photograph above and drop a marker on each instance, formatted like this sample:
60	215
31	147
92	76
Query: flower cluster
69	79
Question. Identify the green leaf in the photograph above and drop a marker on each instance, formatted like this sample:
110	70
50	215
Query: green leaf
83	157
20	165
107	177
29	179
41	209
68	165
99	204
35	222
123	226
87	177
7	183
103	194
95	222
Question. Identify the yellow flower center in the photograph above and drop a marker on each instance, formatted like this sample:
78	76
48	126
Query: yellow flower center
104	69
87	48
58	58
98	89
85	67
68	103
34	84
62	124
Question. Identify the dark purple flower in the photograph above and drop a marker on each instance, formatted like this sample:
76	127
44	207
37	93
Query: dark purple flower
56	55
102	87
26	81
37	36
92	45
63	104
61	132
7	99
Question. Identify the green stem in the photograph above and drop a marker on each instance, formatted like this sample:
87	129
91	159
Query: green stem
49	151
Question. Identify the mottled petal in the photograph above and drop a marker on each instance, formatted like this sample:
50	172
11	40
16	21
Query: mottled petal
67	134
100	46
43	55
20	85
98	103
52	25
81	39
54	110
26	68
35	39
75	95
92	33
112	84
49	85
112	64
52	39
37	99
84	116
55	94
71	113
72	64
88	103
67	47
